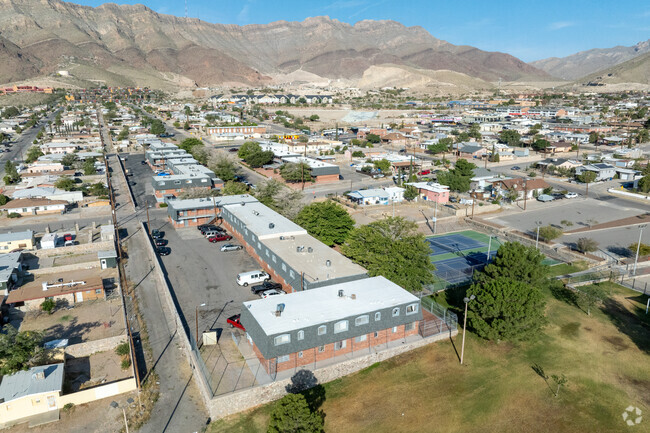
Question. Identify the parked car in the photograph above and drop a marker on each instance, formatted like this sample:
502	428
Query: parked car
571	195
67	237
266	285
204	227
163	251
273	292
157	234
233	149
220	238
515	168
69	243
143	162
160	242
424	172
231	247
545	198
234	322
252	277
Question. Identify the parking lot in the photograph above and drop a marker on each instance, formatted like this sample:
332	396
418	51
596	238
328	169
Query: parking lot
204	281
139	176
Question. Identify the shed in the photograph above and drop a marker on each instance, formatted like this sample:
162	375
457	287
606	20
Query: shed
107	232
107	259
49	241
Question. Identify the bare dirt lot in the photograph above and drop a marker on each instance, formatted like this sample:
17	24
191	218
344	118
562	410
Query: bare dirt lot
86	321
93	370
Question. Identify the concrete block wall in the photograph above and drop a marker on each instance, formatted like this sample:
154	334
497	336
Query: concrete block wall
90	347
66	268
76	249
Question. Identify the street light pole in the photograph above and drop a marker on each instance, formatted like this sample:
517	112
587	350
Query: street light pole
196	316
638	248
539	224
462	348
487	259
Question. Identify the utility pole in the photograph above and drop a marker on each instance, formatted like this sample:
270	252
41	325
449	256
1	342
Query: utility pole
196	316
462	349
638	248
525	193
473	201
539	224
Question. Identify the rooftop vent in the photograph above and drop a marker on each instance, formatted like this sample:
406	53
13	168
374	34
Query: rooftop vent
256	213
271	225
279	309
38	376
328	263
310	250
353	296
340	293
299	249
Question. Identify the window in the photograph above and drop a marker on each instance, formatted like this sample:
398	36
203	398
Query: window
395	312
177	182
259	246
98	291
267	253
360	338
409	326
301	335
291	274
394	329
362	320
284	267
274	259
282	339
300	354
283	358
412	309
321	349
339	345
322	330
377	316
341	326
376	334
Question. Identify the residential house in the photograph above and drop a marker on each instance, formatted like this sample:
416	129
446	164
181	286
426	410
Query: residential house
11	270
626	173
76	286
23	240
44	167
321	171
48	193
563	163
603	171
470	150
59	148
34	206
31	395
308	327
369	197
559	147
395	194
431	191
528	187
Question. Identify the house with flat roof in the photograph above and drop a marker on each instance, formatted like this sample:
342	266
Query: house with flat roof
432	191
321	171
22	240
369	196
197	211
284	249
603	171
173	186
31	395
11	269
48	193
34	206
304	328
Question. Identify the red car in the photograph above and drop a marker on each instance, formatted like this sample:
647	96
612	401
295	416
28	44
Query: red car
424	172
234	322
67	237
219	238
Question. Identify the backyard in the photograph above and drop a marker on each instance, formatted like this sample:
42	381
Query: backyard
604	357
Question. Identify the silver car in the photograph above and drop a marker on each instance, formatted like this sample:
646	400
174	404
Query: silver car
231	247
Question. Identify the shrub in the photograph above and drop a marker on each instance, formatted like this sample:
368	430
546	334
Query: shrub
163	205
14	215
122	349
48	306
68	407
126	363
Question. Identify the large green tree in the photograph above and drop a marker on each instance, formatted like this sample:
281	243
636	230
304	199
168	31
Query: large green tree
189	143
258	159
89	166
274	194
248	148
157	127
510	137
234	188
392	247
33	153
292	414
516	262
11	173
295	172
223	165
383	165
506	309
459	178
17	349
65	183
326	221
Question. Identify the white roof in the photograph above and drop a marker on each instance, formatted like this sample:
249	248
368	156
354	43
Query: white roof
312	163
264	222
322	305
433	187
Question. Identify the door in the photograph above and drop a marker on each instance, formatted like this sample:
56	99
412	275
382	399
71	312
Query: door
79	297
51	402
103	263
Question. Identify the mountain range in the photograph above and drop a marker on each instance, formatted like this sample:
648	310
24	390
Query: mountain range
133	43
585	63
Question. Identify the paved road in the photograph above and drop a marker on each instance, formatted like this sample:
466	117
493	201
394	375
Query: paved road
24	141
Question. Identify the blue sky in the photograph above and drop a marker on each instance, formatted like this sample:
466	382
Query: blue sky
529	30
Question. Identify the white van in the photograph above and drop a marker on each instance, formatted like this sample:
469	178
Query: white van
252	277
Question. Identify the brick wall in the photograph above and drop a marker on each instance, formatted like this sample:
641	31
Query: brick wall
327	178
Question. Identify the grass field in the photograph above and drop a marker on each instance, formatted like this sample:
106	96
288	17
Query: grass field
605	357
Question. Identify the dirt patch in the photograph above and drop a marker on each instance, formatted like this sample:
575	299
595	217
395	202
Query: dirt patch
93	370
570	330
617	342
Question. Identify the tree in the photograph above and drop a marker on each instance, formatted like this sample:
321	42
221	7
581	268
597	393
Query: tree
644	184
644	249
69	159
258	159
314	117
506	309
274	194
383	165
89	167
157	127
98	190
541	144
442	146
392	247
124	133
11	173
591	296
189	143
248	148
292	415
65	183
4	199
17	349
358	154
10	112
295	172
48	305
223	165
548	233
587	177
33	153
586	245
642	136
410	192
593	137
459	178
510	137
373	138
326	221
234	188
516	262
